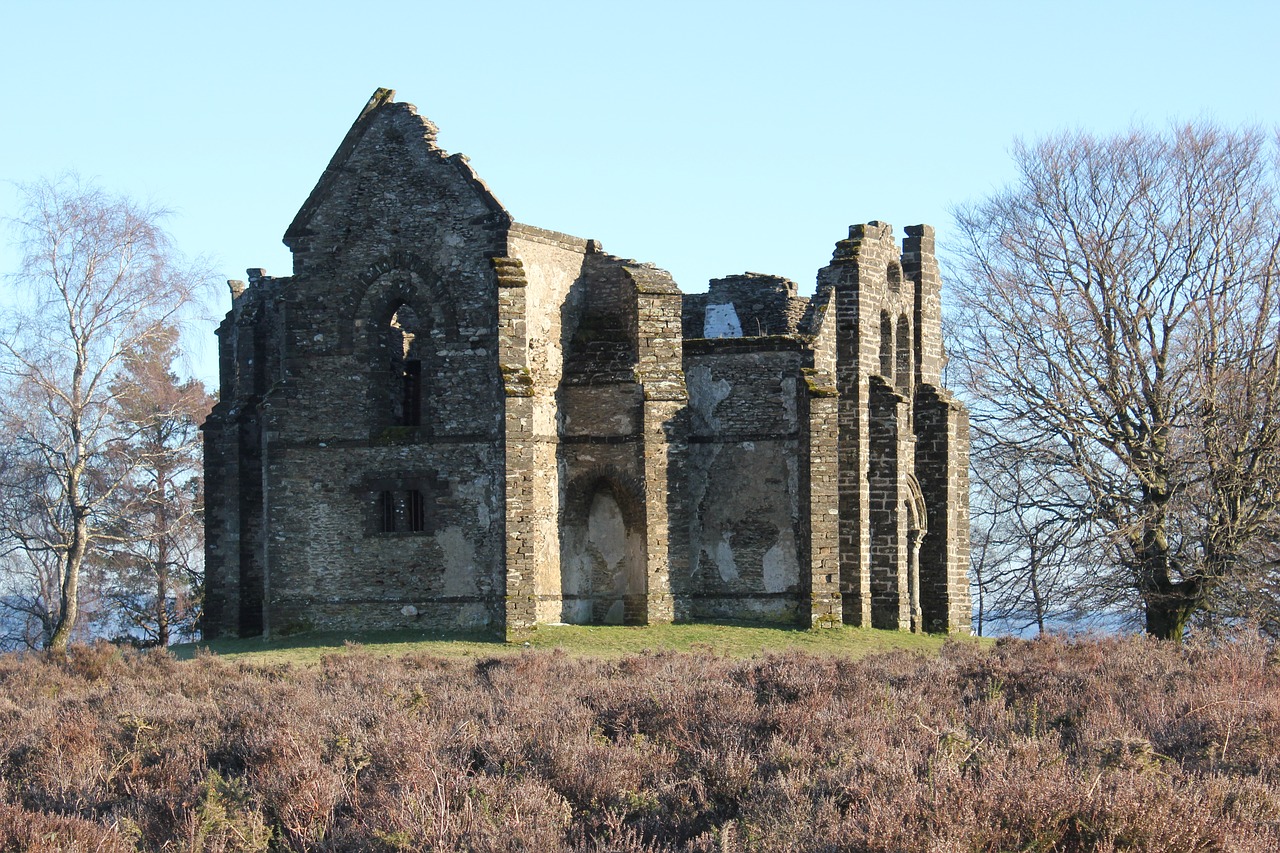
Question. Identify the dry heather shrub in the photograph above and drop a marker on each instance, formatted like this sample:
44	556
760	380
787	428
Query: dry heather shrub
37	832
458	810
1119	744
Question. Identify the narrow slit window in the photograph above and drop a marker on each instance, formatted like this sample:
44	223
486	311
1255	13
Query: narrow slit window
886	346
404	339
904	353
416	508
412	407
387	512
894	276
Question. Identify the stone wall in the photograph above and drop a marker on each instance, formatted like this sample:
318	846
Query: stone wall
743	478
552	267
448	420
325	407
820	478
747	305
622	387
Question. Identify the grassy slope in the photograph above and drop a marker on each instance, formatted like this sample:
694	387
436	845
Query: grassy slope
593	641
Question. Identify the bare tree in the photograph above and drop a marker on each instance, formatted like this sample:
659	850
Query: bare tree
99	279
28	576
1031	558
1120	320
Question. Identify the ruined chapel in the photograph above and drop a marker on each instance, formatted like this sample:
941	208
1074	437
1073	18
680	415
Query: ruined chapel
448	420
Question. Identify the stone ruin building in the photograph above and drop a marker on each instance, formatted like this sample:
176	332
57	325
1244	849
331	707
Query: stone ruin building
447	420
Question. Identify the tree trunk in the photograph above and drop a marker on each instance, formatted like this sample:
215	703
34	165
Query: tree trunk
1168	614
1169	604
1037	601
977	571
162	559
162	598
70	597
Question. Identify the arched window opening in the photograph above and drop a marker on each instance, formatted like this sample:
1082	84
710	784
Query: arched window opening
886	346
904	353
917	526
602	554
894	275
404	336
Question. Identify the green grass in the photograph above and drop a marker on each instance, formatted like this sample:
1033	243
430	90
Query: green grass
606	641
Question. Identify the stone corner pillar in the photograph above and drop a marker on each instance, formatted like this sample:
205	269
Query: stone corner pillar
820	400
660	371
520	594
942	469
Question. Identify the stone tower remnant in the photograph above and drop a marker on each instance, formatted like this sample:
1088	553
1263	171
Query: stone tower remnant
445	419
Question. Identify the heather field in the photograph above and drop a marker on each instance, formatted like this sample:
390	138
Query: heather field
1117	744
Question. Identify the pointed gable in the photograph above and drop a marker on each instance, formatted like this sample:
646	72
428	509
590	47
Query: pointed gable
381	97
389	141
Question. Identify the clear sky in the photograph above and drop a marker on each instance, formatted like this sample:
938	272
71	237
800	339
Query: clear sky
708	138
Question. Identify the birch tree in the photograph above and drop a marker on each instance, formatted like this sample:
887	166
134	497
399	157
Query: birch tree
99	278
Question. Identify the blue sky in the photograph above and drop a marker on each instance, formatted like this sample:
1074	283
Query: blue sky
709	138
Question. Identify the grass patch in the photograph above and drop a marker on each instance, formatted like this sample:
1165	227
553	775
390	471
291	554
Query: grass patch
599	641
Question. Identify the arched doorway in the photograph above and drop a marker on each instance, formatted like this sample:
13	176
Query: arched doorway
602	559
917	526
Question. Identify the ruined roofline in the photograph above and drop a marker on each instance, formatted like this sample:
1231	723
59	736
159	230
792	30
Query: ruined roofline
554	238
382	99
916	238
764	279
794	342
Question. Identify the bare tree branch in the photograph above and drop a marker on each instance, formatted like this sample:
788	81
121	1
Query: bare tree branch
1119	327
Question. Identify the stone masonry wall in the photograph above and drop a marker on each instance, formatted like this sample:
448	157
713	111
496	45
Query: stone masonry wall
552	266
660	371
743	479
748	305
447	420
249	363
330	449
819	481
942	452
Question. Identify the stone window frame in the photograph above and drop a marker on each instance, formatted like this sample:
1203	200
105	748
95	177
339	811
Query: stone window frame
401	506
398	279
406	385
402	511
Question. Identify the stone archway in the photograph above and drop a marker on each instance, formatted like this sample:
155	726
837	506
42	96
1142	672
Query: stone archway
917	527
602	555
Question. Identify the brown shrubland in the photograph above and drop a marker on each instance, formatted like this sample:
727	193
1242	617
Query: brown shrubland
1112	744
